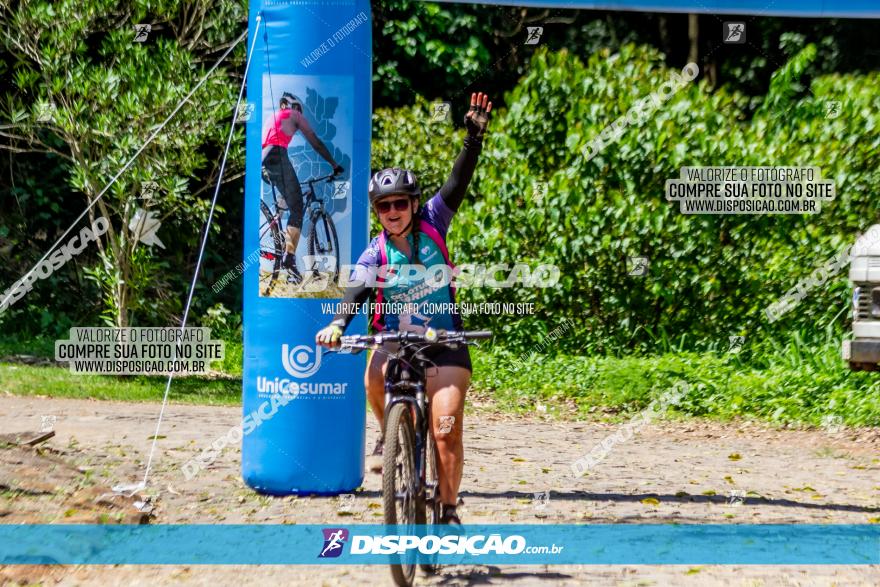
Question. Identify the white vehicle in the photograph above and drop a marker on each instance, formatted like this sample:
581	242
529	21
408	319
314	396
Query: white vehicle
863	351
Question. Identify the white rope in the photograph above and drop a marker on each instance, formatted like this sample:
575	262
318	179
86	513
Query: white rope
204	242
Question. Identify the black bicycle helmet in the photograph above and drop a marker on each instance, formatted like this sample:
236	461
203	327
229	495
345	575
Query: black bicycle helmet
393	181
292	100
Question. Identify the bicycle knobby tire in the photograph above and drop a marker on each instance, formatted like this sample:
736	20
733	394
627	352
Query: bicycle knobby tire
399	479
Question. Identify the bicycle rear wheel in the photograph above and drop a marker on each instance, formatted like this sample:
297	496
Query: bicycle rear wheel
271	243
399	482
323	240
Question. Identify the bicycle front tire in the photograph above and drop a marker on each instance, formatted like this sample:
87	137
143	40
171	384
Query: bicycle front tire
430	499
399	481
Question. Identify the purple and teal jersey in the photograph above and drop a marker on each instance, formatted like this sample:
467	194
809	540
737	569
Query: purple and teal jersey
428	301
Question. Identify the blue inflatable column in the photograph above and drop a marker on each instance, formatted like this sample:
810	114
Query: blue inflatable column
309	107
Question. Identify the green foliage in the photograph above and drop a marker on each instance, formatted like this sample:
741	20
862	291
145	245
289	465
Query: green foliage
87	93
709	276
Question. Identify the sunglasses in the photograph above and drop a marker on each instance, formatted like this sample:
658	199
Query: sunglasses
385	206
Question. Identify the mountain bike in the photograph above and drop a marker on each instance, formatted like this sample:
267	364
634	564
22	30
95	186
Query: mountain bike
410	469
322	240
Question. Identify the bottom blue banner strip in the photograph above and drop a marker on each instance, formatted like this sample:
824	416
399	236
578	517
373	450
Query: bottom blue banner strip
646	544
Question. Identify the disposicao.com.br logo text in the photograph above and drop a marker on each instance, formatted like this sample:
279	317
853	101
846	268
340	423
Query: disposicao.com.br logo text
455	544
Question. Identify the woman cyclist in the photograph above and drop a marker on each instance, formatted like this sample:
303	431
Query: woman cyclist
278	171
415	234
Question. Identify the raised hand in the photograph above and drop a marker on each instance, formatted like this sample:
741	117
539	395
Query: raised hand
477	118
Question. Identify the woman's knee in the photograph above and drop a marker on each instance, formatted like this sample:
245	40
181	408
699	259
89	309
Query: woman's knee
447	429
374	377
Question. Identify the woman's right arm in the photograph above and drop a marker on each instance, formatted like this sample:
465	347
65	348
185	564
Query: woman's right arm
355	295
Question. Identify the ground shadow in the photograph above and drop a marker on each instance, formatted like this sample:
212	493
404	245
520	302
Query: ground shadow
680	497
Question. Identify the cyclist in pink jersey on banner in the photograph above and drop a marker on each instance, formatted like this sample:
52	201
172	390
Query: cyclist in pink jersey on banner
278	171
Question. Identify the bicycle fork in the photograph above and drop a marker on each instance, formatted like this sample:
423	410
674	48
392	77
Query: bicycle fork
419	411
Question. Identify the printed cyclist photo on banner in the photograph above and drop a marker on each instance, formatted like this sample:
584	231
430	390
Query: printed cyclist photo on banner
305	204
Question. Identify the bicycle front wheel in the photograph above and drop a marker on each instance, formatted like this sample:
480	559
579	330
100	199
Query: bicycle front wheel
428	508
399	482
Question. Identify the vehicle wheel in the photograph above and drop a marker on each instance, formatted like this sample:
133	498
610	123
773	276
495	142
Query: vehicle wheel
323	240
428	510
271	243
399	481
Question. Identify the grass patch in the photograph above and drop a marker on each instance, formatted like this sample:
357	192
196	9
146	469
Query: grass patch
37	347
779	382
55	382
786	383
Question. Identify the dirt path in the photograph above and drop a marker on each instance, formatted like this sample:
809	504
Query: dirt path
668	472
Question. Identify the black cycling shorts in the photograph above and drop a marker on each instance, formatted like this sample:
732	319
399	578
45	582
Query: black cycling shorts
281	176
445	357
440	357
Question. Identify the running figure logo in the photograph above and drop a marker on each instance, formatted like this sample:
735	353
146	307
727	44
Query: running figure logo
735	33
534	34
334	539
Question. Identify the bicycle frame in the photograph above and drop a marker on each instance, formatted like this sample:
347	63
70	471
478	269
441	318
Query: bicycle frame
406	383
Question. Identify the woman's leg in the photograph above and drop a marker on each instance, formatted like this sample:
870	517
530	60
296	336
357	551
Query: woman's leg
374	381
293	196
446	391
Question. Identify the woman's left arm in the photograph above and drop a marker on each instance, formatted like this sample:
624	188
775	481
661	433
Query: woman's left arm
476	121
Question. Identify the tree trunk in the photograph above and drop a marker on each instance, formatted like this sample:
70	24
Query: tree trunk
694	37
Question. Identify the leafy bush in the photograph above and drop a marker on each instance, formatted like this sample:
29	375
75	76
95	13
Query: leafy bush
709	276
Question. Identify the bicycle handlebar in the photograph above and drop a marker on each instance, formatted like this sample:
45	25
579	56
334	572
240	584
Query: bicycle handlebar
327	178
431	336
